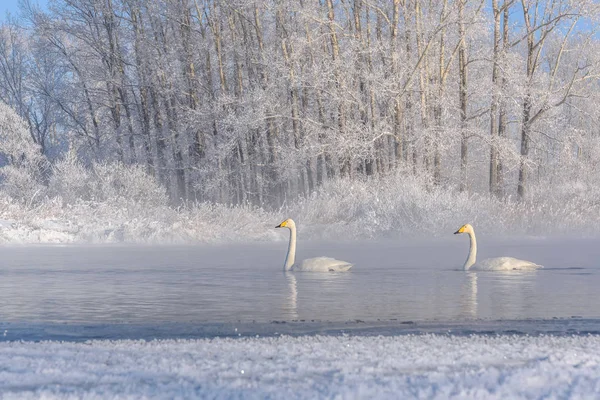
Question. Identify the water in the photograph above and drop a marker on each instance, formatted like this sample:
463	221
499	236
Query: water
165	288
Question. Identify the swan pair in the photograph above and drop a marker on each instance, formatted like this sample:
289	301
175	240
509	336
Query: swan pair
327	264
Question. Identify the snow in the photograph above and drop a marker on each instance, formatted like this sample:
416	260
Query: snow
398	209
432	366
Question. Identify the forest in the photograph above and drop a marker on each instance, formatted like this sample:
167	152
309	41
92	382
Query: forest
377	115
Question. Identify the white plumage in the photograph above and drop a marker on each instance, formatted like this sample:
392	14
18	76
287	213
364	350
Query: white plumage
321	264
491	264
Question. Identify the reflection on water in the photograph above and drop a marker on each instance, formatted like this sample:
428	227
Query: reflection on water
244	283
469	295
308	292
513	291
290	311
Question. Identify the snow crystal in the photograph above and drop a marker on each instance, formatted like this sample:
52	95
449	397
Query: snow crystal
410	366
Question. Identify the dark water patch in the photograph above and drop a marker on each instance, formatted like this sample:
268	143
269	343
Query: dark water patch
82	333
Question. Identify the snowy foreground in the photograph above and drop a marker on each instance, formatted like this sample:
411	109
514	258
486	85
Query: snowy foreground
405	366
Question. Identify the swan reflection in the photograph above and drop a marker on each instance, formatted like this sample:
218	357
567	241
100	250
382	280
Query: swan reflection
290	308
318	290
469	295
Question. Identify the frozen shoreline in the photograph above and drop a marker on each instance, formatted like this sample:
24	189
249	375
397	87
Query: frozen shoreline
406	366
83	332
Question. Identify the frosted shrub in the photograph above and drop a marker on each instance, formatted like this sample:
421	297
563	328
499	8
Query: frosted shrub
15	141
21	185
106	182
105	202
208	222
71	181
403	205
400	205
570	206
22	178
129	182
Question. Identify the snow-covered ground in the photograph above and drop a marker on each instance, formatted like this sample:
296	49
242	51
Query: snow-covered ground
428	366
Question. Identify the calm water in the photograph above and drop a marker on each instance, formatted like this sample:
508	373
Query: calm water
416	281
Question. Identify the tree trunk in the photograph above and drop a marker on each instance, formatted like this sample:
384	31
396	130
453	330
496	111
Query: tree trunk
341	113
409	133
398	112
527	103
503	113
493	178
437	110
143	82
424	77
462	96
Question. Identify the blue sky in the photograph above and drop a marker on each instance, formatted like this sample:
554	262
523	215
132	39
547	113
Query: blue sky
12	6
9	5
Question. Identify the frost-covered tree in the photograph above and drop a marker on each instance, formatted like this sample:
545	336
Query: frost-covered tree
263	102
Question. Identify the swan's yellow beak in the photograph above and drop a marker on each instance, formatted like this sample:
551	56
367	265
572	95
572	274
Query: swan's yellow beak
460	230
282	225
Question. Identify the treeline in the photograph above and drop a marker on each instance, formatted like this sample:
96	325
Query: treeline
242	101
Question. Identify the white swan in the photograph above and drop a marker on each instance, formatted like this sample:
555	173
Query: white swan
317	264
491	264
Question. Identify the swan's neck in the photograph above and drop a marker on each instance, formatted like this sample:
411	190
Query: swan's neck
291	254
472	252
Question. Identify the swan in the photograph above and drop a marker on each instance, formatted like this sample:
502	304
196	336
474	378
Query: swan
317	264
491	264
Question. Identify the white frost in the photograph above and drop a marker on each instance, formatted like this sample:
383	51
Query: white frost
411	366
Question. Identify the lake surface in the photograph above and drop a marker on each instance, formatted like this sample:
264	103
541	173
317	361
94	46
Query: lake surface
419	281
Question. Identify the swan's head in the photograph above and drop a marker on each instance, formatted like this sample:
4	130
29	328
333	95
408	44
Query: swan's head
466	228
288	223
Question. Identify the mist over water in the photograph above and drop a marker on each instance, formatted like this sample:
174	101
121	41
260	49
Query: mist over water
404	281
